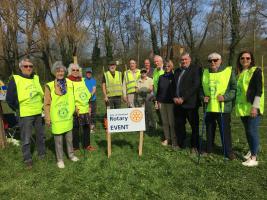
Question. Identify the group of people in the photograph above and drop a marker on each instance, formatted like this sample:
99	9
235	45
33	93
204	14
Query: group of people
66	109
175	95
178	94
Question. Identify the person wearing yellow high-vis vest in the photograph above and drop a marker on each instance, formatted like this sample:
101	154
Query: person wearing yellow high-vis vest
130	79
82	115
112	86
250	102
218	93
59	105
25	95
158	71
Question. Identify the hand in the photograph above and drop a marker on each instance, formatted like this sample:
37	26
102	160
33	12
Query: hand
106	99
206	99
180	101
220	98
90	110
254	112
176	101
125	99
48	123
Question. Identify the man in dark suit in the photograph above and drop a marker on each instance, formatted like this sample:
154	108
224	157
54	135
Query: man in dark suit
186	88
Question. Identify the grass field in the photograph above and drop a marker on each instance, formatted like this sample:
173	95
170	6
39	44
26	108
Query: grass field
160	173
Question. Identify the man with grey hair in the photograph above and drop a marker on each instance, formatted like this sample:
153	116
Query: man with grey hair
218	94
186	89
25	96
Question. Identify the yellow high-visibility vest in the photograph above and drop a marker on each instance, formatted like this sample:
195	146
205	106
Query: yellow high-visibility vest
30	95
131	81
243	107
215	84
82	96
113	84
62	108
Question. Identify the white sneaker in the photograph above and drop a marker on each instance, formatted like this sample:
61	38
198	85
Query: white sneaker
250	163
74	159
60	164
248	155
164	143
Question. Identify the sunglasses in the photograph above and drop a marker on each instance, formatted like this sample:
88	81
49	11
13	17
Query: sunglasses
245	58
213	60
28	66
75	70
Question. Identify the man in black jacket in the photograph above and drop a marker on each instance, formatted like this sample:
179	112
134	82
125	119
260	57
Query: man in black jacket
186	87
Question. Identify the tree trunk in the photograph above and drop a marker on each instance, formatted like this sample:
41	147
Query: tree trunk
235	35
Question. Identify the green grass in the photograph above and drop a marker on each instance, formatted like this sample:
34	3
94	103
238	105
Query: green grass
160	173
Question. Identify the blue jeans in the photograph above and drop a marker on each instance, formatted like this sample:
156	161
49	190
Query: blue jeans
251	126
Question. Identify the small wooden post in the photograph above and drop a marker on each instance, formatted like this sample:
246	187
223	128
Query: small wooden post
3	142
141	141
109	143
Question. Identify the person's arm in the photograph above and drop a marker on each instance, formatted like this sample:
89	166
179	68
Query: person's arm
258	88
94	88
47	105
230	94
12	96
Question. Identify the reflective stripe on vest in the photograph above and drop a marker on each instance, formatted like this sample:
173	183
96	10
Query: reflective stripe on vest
61	109
215	84
113	84
30	95
82	96
131	81
243	107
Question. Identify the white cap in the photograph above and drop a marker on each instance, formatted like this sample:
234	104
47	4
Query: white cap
214	56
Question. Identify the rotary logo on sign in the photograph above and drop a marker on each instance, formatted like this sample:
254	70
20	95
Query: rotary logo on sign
136	115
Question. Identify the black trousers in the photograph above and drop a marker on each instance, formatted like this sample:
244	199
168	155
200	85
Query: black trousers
180	116
114	102
224	123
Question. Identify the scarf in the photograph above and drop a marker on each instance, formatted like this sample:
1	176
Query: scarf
62	85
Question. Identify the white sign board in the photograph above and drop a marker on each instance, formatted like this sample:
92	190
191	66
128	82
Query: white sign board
126	120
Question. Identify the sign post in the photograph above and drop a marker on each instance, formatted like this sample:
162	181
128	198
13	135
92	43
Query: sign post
125	120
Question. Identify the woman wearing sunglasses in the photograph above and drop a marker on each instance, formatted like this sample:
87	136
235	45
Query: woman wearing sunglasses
250	102
218	94
82	114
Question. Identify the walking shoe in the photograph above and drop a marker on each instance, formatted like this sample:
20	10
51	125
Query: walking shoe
60	164
28	164
248	155
74	159
194	151
250	163
231	156
164	143
90	148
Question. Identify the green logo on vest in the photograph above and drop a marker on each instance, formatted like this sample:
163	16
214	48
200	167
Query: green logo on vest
63	113
83	96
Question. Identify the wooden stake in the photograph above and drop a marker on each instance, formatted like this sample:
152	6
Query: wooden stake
141	141
108	143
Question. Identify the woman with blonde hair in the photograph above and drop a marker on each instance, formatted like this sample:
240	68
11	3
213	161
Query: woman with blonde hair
82	114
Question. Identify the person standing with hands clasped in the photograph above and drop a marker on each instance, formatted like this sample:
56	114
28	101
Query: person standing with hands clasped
218	93
250	102
59	105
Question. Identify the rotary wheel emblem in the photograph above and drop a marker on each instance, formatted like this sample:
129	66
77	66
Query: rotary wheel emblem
136	115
